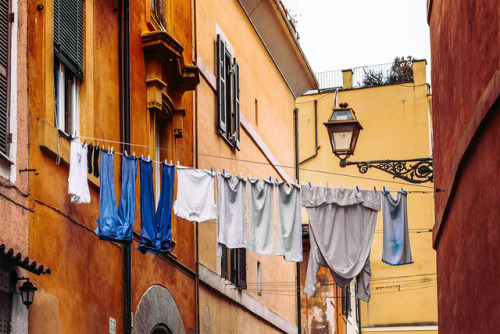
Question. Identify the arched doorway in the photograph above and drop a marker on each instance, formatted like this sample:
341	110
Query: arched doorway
157	313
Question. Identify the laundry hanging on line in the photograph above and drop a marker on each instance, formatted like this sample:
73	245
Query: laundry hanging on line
396	240
260	216
78	186
231	211
341	227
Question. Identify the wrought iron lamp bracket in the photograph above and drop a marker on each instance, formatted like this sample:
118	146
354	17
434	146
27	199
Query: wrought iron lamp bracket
413	170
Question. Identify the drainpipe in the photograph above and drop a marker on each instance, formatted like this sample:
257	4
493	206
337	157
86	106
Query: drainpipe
127	256
296	123
315	133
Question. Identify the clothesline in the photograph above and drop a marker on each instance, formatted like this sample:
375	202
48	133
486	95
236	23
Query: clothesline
256	162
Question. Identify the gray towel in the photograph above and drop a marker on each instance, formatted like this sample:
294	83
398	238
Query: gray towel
231	218
396	249
289	222
260	217
341	227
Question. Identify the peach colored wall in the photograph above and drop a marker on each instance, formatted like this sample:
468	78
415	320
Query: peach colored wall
259	79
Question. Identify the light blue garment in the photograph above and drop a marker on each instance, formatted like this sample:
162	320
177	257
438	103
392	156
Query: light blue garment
116	225
156	233
396	249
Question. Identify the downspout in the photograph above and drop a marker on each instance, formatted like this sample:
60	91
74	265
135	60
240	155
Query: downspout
197	258
315	133
297	177
127	258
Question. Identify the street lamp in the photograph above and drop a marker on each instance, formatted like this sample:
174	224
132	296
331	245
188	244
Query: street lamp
27	291
343	129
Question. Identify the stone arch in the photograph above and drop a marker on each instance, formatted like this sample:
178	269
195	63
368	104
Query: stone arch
157	306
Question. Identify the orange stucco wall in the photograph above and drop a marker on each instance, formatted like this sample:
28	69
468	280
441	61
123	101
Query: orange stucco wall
86	284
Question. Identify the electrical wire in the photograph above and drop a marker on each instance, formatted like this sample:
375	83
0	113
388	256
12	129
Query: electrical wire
254	162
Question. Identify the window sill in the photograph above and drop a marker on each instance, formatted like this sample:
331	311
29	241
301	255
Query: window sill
5	157
47	139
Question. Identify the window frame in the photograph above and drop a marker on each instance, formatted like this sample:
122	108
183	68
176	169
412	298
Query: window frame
234	266
228	94
67	118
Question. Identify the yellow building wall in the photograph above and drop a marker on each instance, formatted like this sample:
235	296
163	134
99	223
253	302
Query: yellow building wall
259	80
395	122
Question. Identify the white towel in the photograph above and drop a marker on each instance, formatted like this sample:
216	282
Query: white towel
289	222
78	186
195	195
231	218
260	217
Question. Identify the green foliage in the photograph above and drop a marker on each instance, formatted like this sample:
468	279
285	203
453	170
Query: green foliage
401	71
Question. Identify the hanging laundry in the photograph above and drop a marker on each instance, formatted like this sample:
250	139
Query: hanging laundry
90	149
113	224
231	218
341	228
396	248
260	217
289	222
78	186
156	233
195	195
96	161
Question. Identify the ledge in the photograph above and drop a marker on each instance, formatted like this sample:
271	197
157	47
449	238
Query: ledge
47	139
217	283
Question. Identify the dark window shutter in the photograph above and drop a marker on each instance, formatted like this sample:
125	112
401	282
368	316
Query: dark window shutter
221	84
68	34
236	103
242	268
4	74
5	312
224	272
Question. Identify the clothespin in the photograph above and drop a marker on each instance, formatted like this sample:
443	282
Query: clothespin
270	179
223	172
327	184
126	153
403	191
310	185
384	189
97	145
170	161
241	174
211	170
149	157
342	188
83	145
357	189
109	149
296	181
178	164
375	188
277	180
133	154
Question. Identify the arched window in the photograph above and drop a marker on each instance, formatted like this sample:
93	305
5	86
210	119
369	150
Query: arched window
161	329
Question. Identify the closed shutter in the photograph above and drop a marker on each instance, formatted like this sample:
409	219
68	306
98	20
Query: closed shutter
224	270
68	34
221	84
242	268
4	74
236	103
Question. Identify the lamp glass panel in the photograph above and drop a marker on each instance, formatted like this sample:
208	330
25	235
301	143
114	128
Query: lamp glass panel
341	136
341	115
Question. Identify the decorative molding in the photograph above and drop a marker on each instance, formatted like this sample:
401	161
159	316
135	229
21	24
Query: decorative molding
219	284
205	72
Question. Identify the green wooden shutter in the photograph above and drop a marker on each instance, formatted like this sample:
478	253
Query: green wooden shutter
4	74
221	84
224	272
68	34
236	104
242	268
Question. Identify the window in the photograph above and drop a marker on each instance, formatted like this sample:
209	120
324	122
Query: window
68	63
5	302
158	13
5	39
234	266
228	94
346	300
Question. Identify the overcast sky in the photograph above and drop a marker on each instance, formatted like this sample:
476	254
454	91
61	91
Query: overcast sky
341	34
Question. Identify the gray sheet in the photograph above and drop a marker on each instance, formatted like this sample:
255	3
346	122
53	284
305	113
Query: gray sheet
341	227
289	222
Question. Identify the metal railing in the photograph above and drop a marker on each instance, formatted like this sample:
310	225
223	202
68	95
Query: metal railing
363	76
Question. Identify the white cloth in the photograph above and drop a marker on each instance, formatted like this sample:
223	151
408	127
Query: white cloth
195	195
260	217
289	222
341	228
78	186
231	218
